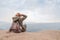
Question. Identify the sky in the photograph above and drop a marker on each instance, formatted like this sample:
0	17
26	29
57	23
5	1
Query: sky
38	11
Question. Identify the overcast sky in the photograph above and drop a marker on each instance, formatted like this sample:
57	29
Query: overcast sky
38	11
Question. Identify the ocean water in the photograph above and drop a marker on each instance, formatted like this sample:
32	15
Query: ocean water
34	27
43	26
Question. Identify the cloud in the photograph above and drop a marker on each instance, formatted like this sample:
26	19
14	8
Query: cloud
36	10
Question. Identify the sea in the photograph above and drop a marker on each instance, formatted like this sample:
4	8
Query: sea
34	27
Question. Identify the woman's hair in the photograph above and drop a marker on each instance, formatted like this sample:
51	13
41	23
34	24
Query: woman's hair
18	14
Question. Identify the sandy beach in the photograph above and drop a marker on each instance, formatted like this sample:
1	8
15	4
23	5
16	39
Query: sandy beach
43	35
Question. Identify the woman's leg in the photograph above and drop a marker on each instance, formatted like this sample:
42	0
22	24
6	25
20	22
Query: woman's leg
23	28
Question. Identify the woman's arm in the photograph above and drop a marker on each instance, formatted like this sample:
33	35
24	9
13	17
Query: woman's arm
15	18
24	16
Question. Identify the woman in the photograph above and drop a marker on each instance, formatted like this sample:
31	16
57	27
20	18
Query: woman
17	25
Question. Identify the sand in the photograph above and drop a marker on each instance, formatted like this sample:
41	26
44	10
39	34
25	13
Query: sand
43	35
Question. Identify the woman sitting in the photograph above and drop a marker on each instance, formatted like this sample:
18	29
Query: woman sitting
17	25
